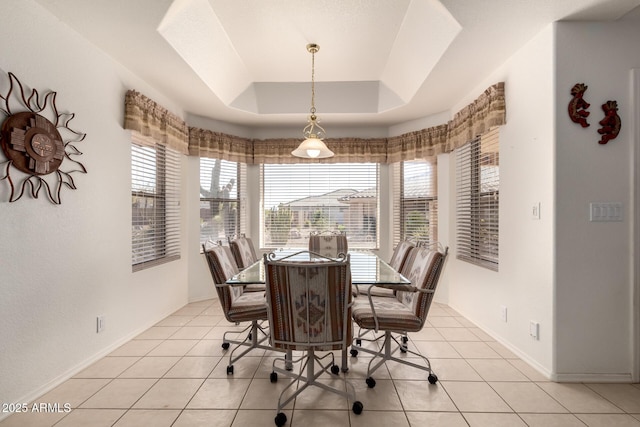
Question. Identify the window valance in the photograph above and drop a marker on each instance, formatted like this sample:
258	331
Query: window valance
487	111
151	119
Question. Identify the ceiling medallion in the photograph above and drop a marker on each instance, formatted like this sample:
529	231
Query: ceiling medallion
34	146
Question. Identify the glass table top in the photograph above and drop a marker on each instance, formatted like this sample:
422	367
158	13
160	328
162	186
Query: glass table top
366	269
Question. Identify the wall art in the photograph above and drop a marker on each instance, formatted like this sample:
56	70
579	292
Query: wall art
611	123
38	143
578	105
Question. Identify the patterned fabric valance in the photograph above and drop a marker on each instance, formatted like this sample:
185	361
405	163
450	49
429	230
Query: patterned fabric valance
206	143
150	119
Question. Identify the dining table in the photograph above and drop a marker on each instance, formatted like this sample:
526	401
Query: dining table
366	268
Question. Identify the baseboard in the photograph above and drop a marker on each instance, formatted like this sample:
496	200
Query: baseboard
213	295
41	391
592	378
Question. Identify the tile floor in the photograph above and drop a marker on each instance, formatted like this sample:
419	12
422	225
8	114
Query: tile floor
174	374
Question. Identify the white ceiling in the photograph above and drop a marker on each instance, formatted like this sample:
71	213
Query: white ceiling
380	61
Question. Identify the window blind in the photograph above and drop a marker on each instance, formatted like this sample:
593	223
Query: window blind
415	215
298	199
477	200
222	187
155	203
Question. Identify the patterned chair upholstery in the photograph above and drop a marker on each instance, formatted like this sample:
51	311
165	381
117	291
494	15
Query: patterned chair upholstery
309	310
238	306
400	254
328	244
243	251
407	312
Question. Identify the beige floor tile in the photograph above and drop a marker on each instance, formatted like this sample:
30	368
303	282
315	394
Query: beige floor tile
189	310
481	334
358	368
474	397
608	420
175	321
193	367
32	419
91	418
257	418
476	419
496	370
207	348
383	397
147	417
427	334
108	367
169	393
625	396
475	350
440	419
579	398
551	420
206	417
210	321
150	367
317	398
220	394
246	367
502	350
418	396
527	397
457	334
173	348
263	394
528	370
465	322
319	418
400	371
158	333
74	391
191	333
136	348
436	349
444	322
119	393
372	417
454	370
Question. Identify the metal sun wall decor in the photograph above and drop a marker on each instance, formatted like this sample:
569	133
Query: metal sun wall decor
578	113
36	141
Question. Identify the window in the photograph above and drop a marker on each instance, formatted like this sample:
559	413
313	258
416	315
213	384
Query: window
221	185
477	200
155	203
300	198
415	213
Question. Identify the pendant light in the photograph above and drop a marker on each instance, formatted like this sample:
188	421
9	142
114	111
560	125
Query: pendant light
313	147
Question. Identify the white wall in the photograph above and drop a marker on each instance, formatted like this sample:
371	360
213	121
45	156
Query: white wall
524	282
61	266
594	283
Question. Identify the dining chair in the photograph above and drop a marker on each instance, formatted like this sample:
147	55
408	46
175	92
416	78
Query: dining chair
401	315
309	309
243	251
328	243
238	306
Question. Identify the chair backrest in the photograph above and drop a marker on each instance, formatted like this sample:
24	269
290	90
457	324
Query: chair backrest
329	244
243	251
309	304
423	268
222	267
400	254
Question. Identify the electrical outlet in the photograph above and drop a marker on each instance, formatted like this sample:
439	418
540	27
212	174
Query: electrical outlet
503	313
534	330
100	323
535	211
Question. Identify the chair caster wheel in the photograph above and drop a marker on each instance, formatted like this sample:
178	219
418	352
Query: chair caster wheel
250	337
335	369
354	352
230	370
281	419
370	382
225	345
403	349
405	339
359	342
273	377
357	407
432	378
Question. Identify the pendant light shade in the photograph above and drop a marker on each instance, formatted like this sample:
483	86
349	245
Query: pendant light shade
313	147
